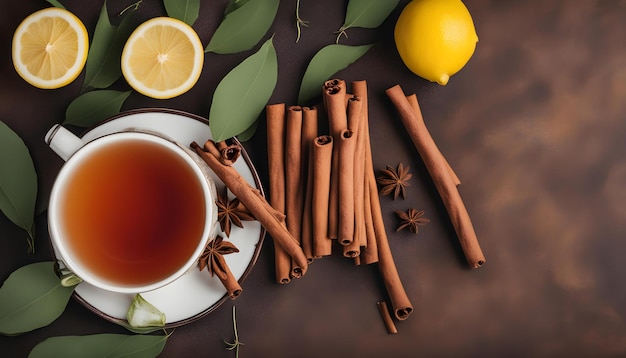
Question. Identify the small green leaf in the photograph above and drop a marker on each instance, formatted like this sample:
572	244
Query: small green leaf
243	27
100	345
95	106
18	182
143	314
32	297
367	13
243	93
326	62
248	133
55	3
103	66
184	10
234	5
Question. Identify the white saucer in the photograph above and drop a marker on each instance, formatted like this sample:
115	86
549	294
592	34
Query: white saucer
196	293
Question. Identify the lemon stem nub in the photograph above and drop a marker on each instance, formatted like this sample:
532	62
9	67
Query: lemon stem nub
443	80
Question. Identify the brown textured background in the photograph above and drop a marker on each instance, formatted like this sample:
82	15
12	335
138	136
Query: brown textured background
534	126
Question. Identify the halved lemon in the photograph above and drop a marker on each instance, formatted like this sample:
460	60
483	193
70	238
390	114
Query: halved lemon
50	48
162	58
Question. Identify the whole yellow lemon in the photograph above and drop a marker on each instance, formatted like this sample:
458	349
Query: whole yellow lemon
435	38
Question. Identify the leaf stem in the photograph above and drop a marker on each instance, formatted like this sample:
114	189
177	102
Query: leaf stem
31	242
133	6
341	32
299	21
236	344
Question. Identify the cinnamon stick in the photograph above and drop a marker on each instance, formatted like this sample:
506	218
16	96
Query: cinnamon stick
294	193
347	179
322	158
412	98
346	192
384	312
213	260
369	254
440	174
233	288
267	216
334	96
309	133
275	114
400	302
356	124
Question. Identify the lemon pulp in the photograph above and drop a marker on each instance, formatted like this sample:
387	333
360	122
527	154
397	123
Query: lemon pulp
162	58
50	48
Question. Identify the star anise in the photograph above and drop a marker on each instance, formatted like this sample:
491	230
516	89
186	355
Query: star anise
394	180
231	212
213	257
412	218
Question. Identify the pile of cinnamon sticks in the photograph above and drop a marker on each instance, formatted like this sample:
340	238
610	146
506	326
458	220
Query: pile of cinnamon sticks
326	186
323	191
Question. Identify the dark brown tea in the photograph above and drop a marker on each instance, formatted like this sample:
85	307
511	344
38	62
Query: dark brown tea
133	213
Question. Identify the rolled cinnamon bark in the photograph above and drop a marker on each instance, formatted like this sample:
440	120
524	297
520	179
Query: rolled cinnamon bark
275	114
233	288
294	190
346	189
400	302
334	96
384	312
440	174
267	216
309	133
412	98
369	253
356	123
347	193
322	158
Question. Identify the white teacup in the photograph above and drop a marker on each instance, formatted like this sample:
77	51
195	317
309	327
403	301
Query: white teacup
129	211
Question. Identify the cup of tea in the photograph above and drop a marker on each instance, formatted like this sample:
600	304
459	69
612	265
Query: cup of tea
129	211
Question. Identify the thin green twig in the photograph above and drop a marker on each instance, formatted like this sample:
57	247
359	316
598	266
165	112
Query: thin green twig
236	344
299	22
133	6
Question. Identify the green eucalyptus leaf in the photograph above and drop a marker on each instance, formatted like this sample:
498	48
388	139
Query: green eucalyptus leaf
32	297
234	5
248	133
55	3
93	107
242	94
100	345
184	10
367	13
103	66
243	27
18	181
326	62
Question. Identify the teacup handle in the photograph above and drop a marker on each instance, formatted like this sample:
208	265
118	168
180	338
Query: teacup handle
63	142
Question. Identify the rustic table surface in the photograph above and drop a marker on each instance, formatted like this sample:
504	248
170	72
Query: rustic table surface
534	126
